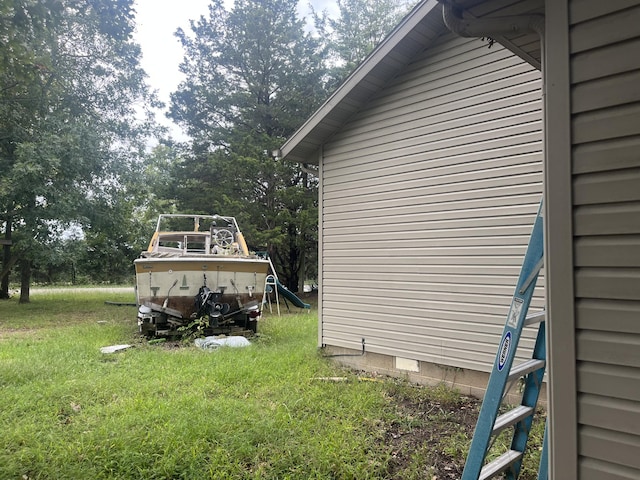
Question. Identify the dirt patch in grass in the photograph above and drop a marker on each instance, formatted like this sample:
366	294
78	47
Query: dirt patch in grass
431	435
432	439
10	333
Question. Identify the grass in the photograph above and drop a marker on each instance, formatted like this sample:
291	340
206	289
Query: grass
154	412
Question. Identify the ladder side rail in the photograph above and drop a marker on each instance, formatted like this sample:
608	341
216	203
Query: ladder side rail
543	470
271	281
506	352
533	384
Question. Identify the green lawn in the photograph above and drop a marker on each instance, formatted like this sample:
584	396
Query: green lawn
154	412
69	411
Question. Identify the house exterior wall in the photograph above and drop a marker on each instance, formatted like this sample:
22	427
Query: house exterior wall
604	44
428	200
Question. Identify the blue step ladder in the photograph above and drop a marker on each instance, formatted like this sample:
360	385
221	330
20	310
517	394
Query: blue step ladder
503	376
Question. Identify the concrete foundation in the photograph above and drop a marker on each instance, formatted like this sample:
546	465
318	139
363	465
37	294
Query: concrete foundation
467	382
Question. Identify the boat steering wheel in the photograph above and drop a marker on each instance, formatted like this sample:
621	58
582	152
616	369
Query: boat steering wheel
223	237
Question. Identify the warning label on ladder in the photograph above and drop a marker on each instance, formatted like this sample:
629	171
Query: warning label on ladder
514	312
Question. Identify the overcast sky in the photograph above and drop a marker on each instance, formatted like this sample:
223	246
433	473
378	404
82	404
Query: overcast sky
157	22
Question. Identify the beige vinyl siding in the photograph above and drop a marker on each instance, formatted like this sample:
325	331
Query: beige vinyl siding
605	107
428	200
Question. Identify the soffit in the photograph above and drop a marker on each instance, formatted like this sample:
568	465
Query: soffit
524	45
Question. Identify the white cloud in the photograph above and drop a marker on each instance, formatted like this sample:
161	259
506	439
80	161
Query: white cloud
157	21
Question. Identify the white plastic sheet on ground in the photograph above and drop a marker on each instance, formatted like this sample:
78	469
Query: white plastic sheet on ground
211	343
114	348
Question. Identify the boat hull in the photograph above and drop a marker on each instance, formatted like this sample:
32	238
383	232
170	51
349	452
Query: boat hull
174	282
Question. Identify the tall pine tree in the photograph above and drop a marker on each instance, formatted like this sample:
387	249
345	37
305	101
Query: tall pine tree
357	29
253	76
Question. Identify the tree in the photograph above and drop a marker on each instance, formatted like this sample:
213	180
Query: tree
69	131
359	28
251	70
253	76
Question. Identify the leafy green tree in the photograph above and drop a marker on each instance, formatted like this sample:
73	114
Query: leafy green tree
254	74
160	188
69	130
360	26
59	260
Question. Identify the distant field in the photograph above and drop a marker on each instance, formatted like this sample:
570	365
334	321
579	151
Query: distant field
106	290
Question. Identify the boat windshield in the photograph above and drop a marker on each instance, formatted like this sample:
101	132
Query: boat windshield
197	234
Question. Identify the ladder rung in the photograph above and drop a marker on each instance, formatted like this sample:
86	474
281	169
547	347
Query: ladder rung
500	464
534	318
525	368
511	418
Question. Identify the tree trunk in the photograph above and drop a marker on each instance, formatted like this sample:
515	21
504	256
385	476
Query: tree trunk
25	280
6	263
302	272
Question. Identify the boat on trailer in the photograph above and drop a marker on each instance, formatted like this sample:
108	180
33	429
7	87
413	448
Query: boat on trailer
197	268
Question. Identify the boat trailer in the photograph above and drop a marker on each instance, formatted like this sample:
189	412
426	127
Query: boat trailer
216	312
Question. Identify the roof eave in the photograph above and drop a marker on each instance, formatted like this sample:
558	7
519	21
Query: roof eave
334	113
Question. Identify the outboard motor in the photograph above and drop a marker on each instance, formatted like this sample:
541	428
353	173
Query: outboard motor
208	303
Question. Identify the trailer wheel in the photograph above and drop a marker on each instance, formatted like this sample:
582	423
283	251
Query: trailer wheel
252	325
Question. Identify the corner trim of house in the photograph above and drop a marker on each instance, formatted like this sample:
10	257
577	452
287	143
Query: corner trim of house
561	351
320	240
